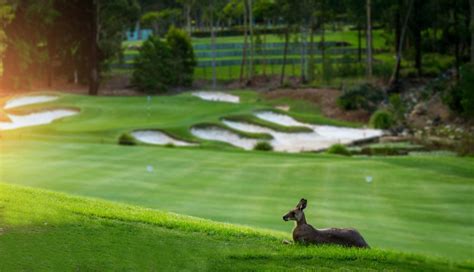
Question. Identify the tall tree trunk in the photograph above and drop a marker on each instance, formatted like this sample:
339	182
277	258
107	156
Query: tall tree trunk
417	36
471	3
263	50
285	53
188	18
359	44
252	46
213	50
396	72
369	40
457	57
244	48
311	63
322	45
94	71
303	45
12	71
51	45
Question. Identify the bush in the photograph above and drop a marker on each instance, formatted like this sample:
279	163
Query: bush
364	96
263	146
339	149
327	69
160	65
466	85
183	61
397	107
126	139
152	70
382	120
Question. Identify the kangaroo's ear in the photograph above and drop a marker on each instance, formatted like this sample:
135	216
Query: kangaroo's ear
302	204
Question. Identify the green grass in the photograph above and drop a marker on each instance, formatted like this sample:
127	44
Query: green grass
349	36
233	72
414	204
44	231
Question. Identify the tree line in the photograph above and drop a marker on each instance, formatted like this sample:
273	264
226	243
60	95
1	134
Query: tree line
78	39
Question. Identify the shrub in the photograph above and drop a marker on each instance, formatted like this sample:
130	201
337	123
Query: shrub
263	146
126	139
327	69
460	97
382	120
364	96
349	67
152	72
183	61
467	89
383	70
339	149
397	107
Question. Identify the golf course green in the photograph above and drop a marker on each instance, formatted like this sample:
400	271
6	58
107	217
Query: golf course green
411	204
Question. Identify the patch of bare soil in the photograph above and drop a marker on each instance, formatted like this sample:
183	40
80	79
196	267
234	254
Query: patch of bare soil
325	99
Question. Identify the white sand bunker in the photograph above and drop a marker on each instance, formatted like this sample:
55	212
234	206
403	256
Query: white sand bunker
28	100
36	118
157	138
217	96
321	138
280	119
286	142
224	135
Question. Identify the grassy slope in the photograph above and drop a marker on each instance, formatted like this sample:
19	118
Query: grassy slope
415	204
45	231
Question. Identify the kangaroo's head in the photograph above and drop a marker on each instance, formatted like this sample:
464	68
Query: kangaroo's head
297	213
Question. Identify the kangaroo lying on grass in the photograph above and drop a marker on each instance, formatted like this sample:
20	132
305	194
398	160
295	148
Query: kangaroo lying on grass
306	234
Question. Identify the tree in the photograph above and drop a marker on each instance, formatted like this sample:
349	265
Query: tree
160	21
289	11
252	41
400	40
74	33
188	5
152	71
471	4
109	18
245	45
183	61
369	40
209	9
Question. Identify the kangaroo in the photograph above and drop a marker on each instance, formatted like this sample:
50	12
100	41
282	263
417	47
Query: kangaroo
306	234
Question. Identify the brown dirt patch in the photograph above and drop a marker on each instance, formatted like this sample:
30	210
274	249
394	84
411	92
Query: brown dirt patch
325	99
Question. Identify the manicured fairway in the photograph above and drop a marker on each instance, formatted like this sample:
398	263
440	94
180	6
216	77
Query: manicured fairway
414	204
42	231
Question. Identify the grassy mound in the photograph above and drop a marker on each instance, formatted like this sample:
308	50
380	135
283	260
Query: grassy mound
40	230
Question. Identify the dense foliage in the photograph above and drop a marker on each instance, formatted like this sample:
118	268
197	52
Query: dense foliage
126	139
382	119
183	61
339	149
151	69
467	89
162	64
263	146
460	97
364	96
51	38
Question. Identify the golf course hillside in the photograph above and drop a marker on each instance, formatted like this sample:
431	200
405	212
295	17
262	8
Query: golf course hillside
45	231
416	204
